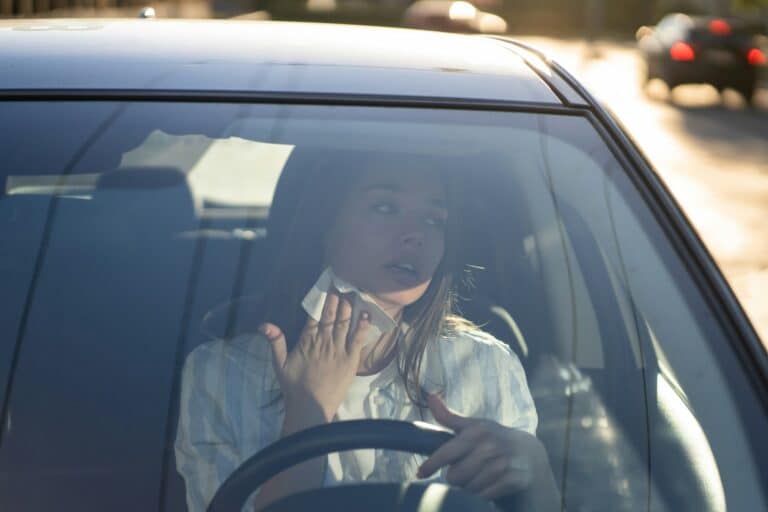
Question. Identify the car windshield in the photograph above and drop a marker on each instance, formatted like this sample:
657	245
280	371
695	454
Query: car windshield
143	244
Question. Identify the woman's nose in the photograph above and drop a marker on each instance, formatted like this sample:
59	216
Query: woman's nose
412	238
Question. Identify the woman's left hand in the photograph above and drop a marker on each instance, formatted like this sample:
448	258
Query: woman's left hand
485	458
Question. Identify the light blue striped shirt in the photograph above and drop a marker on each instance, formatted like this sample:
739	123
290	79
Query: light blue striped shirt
228	412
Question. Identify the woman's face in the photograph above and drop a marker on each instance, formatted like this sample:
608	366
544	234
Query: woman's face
389	237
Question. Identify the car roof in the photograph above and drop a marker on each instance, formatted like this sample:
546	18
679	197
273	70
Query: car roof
265	56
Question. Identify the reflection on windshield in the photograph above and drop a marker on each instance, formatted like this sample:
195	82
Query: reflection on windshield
228	172
585	440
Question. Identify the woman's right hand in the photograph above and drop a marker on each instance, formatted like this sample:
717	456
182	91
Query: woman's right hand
319	370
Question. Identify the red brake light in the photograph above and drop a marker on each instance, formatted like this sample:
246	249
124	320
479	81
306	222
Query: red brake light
719	27
682	51
756	57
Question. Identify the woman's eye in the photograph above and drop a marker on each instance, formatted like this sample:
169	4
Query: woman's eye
436	221
383	208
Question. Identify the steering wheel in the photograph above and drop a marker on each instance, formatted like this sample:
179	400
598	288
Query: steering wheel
321	440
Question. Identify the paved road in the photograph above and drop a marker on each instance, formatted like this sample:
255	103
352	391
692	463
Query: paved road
712	152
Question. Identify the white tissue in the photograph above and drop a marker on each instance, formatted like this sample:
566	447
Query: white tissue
380	321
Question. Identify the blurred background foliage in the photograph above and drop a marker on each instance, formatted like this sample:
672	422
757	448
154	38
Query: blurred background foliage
564	18
523	16
619	18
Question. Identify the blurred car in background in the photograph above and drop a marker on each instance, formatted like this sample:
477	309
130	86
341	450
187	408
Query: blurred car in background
683	49
450	16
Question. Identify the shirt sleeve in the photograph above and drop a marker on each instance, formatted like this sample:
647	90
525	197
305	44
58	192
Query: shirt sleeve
510	401
486	380
206	448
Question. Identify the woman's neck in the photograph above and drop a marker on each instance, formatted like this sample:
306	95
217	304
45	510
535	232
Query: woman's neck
376	356
394	311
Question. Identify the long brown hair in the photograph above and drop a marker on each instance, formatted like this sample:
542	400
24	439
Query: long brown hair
305	207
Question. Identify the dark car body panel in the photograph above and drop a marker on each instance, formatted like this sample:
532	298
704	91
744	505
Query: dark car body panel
260	57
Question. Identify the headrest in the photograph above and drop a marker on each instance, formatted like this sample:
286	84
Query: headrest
141	178
155	198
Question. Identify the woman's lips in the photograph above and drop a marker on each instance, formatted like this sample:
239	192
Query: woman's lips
402	276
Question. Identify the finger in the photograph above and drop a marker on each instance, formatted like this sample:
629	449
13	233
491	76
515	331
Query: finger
309	332
277	343
491	472
342	321
452	451
311	324
328	317
360	336
445	416
464	470
329	307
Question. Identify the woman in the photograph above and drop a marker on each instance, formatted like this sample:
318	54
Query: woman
391	231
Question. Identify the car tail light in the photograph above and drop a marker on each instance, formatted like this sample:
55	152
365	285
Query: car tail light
756	57
719	27
682	52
